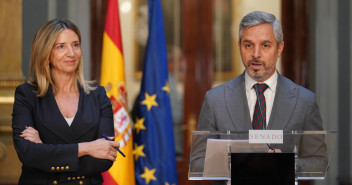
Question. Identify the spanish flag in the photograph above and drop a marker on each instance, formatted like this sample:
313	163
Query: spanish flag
113	79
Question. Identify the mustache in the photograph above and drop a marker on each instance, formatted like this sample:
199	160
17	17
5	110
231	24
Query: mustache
255	61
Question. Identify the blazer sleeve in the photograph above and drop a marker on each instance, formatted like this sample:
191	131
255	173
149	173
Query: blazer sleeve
46	157
92	165
313	151
206	117
205	123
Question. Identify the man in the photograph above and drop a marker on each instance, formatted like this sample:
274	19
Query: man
285	105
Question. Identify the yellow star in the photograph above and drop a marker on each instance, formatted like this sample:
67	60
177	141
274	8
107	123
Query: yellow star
167	88
166	183
149	101
148	174
139	125
138	151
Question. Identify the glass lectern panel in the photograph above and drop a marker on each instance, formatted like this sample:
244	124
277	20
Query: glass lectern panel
210	157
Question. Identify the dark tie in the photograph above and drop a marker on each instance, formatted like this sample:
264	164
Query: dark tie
259	115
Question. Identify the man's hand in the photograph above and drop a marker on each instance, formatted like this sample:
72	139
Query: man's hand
274	151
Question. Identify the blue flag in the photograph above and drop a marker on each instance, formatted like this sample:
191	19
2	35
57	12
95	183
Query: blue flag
154	148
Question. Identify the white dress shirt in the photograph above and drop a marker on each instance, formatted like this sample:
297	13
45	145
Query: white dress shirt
269	94
69	120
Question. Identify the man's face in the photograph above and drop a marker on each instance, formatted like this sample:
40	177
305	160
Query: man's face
259	51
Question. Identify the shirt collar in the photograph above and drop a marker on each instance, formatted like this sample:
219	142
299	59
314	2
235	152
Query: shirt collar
271	82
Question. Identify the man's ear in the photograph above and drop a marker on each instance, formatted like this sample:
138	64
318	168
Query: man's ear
280	48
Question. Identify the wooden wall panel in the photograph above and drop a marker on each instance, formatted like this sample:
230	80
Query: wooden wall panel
98	15
197	38
295	57
10	39
10	77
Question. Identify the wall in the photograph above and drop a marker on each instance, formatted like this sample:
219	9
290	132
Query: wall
38	12
331	50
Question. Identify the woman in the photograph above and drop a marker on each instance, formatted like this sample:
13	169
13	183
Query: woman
58	117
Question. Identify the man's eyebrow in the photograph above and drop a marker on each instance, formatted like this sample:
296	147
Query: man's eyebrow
246	40
267	41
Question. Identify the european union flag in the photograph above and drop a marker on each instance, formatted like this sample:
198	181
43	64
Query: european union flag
154	150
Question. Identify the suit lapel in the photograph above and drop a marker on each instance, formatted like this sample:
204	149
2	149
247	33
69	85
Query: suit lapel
284	104
87	115
53	119
236	104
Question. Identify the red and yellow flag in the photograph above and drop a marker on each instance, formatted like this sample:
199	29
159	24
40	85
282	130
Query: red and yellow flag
113	79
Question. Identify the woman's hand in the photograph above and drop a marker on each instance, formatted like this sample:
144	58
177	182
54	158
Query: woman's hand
100	148
31	134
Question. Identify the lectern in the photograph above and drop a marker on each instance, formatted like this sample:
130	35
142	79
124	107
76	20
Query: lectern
236	158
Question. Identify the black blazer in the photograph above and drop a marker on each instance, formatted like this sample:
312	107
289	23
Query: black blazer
56	160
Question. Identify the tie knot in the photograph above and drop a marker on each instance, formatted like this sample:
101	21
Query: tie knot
261	87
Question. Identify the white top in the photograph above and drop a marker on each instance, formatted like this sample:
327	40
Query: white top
269	94
69	120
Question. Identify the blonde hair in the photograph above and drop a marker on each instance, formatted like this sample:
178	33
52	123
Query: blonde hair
40	72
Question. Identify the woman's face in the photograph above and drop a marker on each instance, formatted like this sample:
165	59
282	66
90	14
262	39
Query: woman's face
66	53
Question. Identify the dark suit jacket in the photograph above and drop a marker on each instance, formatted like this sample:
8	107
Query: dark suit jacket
57	158
225	108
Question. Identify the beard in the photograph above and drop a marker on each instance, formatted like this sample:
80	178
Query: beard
255	74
